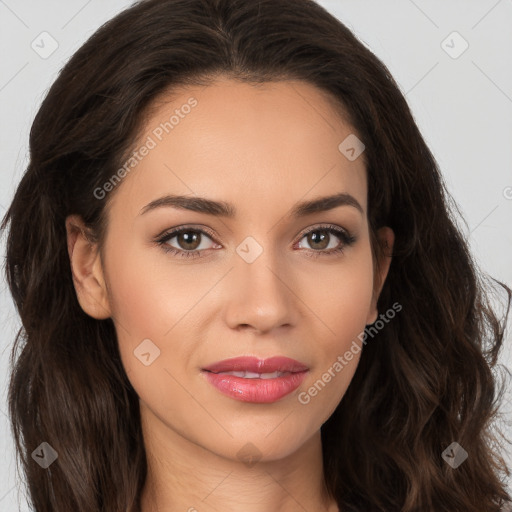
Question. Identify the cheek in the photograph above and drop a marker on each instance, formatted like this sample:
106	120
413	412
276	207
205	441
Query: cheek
150	294
342	305
341	295
154	302
146	305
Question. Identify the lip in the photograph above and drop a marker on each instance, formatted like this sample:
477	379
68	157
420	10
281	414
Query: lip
256	390
261	391
253	364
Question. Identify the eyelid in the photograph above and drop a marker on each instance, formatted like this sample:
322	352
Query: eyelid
318	227
191	227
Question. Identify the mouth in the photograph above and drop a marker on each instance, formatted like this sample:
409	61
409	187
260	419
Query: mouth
249	379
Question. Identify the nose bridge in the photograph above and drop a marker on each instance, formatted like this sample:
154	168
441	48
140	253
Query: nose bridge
261	296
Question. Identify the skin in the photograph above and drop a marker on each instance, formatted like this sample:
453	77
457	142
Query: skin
262	148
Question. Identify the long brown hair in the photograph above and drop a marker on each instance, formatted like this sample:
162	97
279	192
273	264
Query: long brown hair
424	381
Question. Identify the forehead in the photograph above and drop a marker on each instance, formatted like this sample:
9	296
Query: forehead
260	147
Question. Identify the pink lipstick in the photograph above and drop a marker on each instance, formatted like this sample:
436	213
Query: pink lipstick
250	379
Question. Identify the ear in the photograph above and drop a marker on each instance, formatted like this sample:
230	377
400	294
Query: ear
386	239
86	268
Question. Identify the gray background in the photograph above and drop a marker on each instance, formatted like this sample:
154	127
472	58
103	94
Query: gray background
462	104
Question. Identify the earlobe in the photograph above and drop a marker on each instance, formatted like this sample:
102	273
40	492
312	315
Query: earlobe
86	269
386	240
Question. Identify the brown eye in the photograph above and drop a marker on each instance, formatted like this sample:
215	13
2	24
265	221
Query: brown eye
322	240
188	240
319	239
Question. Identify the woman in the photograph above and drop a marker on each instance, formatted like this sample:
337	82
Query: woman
187	345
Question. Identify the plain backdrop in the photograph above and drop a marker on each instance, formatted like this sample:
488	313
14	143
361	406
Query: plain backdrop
450	58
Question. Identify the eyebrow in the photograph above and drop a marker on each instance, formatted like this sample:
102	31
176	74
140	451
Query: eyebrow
223	209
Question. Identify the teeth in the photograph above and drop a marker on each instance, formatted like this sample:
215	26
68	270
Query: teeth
252	375
236	374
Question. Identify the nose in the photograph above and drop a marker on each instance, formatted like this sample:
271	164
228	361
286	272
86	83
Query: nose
260	295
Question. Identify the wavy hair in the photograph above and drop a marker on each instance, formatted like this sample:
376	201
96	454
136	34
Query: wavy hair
428	379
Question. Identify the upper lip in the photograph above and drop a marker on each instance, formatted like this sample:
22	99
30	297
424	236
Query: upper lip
255	365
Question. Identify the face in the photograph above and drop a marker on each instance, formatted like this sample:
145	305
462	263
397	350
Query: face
264	278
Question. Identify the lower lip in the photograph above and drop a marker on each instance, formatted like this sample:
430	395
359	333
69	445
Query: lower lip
261	391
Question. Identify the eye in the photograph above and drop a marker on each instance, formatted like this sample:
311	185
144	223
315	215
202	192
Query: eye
321	239
189	241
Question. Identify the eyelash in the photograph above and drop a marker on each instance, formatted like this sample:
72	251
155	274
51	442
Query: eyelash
346	240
